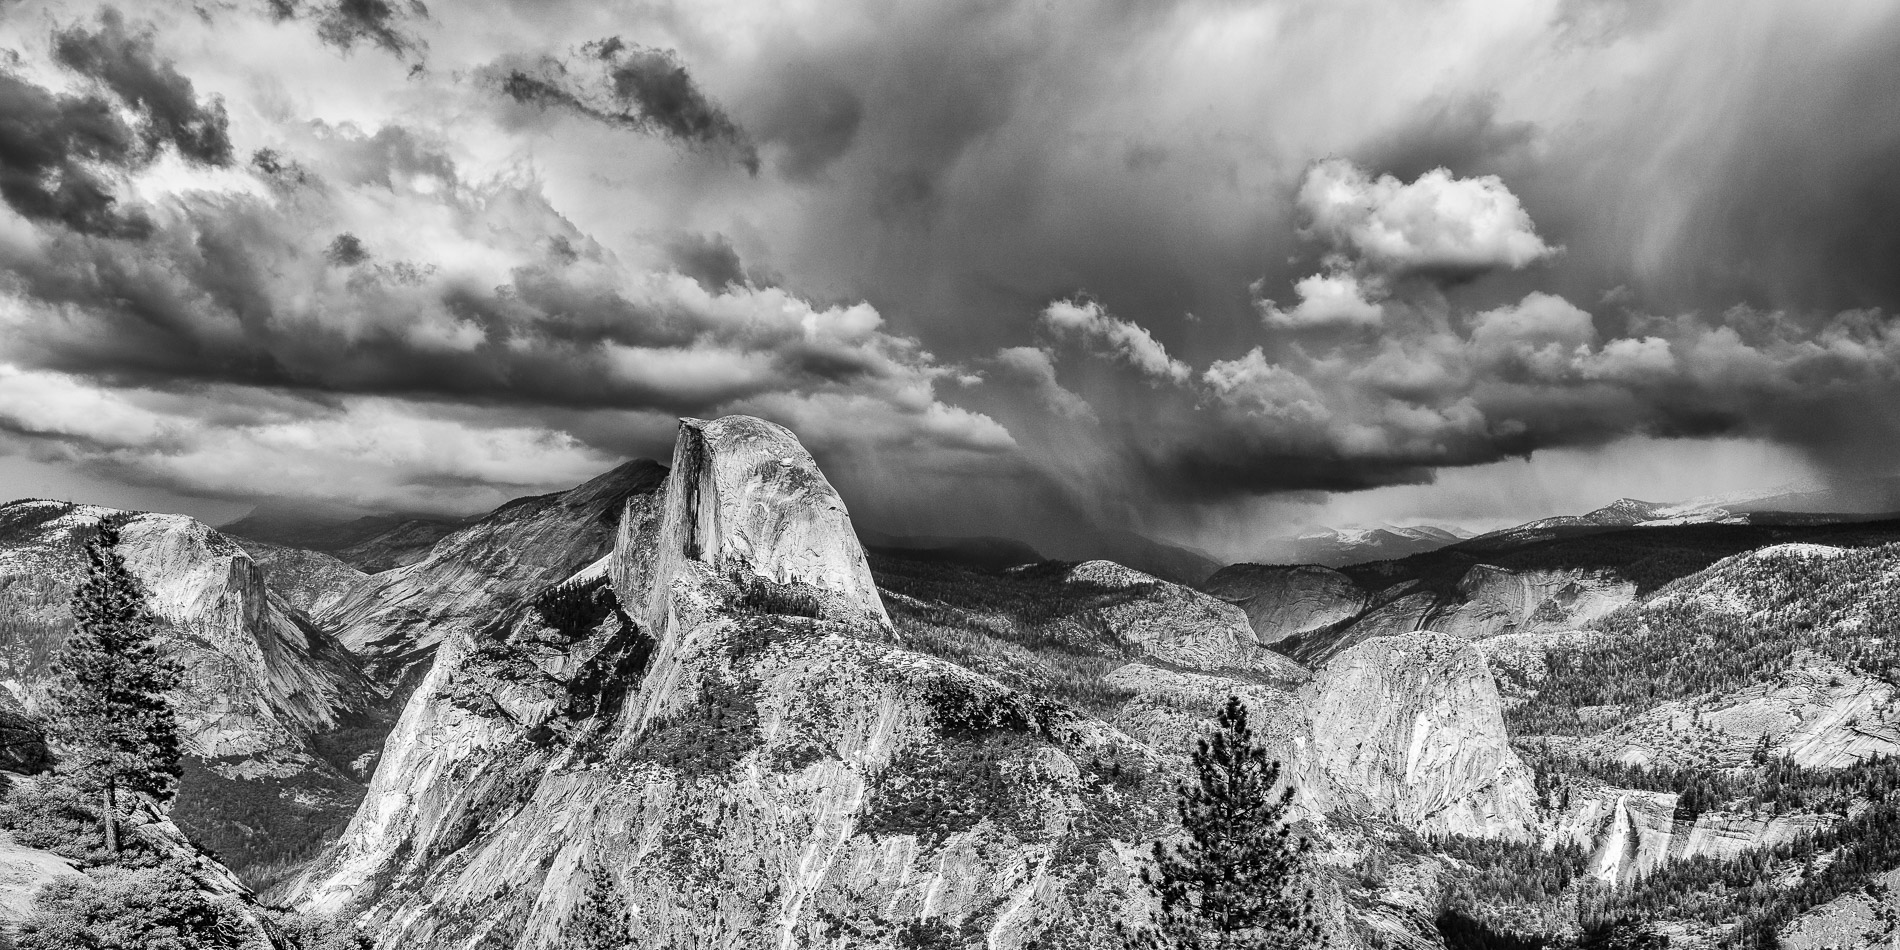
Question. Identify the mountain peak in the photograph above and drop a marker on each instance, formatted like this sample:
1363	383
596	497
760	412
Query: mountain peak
745	499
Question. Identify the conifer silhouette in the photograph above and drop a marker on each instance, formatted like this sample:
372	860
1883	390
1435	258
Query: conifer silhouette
110	716
1240	881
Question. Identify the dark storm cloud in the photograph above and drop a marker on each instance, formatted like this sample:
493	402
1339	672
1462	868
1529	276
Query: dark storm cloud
707	258
1809	211
46	141
345	24
240	291
1463	135
813	120
126	62
1435	388
962	167
648	90
58	151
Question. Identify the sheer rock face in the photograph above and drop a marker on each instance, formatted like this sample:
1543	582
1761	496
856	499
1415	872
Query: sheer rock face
1410	728
259	678
777	773
746	501
310	581
1497	601
746	758
395	619
1331	612
1632	833
1286	601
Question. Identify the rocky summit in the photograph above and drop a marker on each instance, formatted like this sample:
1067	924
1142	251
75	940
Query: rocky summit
733	744
683	705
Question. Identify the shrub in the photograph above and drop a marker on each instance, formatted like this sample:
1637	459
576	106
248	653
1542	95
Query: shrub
53	815
317	932
120	909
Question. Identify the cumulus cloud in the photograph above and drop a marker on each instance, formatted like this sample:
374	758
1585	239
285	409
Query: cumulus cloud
929	178
1441	388
1088	321
1436	224
318	318
1325	300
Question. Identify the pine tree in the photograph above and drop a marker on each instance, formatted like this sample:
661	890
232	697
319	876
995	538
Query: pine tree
110	715
1240	881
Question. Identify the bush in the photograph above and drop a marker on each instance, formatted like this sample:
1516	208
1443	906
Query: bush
53	815
119	909
316	932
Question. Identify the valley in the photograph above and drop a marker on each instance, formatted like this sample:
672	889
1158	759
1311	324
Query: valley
685	705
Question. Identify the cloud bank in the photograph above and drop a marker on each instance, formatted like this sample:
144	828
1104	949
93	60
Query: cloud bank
1008	266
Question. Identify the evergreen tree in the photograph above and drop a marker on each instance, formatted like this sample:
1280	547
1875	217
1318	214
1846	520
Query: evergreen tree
1240	881
110	716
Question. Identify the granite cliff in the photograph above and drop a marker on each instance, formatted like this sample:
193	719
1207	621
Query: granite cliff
720	737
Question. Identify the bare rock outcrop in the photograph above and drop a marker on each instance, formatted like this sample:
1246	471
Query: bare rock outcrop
742	757
310	581
1496	601
1630	834
1409	727
1818	715
23	872
396	618
716	739
260	679
1861	920
1173	623
1284	601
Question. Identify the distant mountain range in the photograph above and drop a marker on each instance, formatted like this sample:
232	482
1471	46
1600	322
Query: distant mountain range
1338	547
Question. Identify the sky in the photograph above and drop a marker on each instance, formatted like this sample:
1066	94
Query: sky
1209	270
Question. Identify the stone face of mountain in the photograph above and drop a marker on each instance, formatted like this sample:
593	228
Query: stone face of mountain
23	871
259	678
310	581
742	758
734	744
1288	601
1859	920
1171	562
1409	727
1493	601
395	619
1170	622
1817	716
263	686
1631	834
